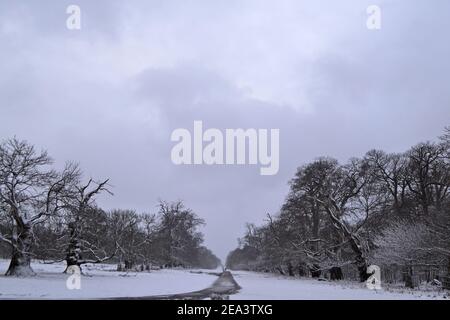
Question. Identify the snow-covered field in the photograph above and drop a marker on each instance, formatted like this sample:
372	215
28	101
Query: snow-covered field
102	281
271	287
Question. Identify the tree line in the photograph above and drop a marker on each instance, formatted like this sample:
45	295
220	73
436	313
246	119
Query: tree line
388	209
52	215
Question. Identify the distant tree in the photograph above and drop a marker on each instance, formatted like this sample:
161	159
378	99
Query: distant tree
131	239
427	175
390	170
178	232
206	259
242	258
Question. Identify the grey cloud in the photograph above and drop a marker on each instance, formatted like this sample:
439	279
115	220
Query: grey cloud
110	96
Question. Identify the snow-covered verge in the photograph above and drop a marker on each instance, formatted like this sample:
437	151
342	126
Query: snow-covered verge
101	281
263	286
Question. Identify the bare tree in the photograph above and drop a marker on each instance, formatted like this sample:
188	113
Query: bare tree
30	193
425	171
338	191
411	244
390	169
178	232
81	217
445	138
391	205
126	227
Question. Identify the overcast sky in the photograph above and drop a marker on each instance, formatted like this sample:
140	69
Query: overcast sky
110	95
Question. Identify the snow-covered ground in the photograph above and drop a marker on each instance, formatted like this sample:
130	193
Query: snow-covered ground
102	281
271	287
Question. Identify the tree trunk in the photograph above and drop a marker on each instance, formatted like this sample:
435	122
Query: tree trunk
446	280
129	264
20	265
336	273
315	271
315	227
73	253
409	283
280	270
301	271
361	264
355	242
